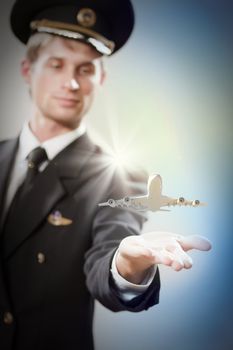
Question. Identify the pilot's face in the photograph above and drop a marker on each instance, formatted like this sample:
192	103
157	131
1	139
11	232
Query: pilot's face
63	80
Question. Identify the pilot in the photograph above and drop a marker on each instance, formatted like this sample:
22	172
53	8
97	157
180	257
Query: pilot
59	250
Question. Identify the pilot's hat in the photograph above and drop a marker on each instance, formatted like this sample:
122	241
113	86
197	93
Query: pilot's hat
104	24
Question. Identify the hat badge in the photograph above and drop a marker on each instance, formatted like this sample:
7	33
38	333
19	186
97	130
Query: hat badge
86	17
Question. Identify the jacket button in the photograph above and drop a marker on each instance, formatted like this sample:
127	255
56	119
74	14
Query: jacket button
8	318
41	258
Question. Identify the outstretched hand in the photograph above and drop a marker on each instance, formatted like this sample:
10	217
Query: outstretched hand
137	254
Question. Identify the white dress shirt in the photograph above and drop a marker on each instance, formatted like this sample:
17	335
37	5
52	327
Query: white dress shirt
27	142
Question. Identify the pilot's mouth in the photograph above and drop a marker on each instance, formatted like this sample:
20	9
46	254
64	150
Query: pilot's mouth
67	101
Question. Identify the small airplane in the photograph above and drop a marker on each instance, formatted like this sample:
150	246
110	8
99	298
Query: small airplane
153	201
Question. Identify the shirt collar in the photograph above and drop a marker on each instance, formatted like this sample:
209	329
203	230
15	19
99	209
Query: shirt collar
28	141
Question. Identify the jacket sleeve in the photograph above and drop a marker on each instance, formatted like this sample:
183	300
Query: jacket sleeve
110	226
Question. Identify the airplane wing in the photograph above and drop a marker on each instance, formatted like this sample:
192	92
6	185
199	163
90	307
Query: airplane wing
181	201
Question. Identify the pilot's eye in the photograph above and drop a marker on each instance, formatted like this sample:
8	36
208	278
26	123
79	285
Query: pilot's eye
86	69
54	63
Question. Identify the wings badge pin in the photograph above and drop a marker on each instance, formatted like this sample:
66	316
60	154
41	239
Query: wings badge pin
56	219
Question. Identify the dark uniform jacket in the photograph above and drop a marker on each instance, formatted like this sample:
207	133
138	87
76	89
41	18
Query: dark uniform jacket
50	275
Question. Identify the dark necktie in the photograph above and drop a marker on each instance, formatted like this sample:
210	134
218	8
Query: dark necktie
35	158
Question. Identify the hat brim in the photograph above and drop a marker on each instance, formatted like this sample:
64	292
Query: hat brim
118	16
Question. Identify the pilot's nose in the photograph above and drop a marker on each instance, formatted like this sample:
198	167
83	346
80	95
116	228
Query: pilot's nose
72	84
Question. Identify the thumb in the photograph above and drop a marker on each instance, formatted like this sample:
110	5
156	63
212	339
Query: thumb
194	242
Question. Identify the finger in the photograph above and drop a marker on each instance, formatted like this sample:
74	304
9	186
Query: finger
186	259
194	242
176	262
181	259
162	257
177	266
187	243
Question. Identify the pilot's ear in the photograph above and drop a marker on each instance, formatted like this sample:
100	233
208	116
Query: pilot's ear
26	70
103	72
103	76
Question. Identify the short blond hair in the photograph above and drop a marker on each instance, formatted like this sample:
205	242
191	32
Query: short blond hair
35	43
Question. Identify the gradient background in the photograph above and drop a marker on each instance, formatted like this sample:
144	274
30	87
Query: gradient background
168	102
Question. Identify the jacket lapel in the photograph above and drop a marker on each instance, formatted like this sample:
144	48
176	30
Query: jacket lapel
71	163
50	186
47	190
